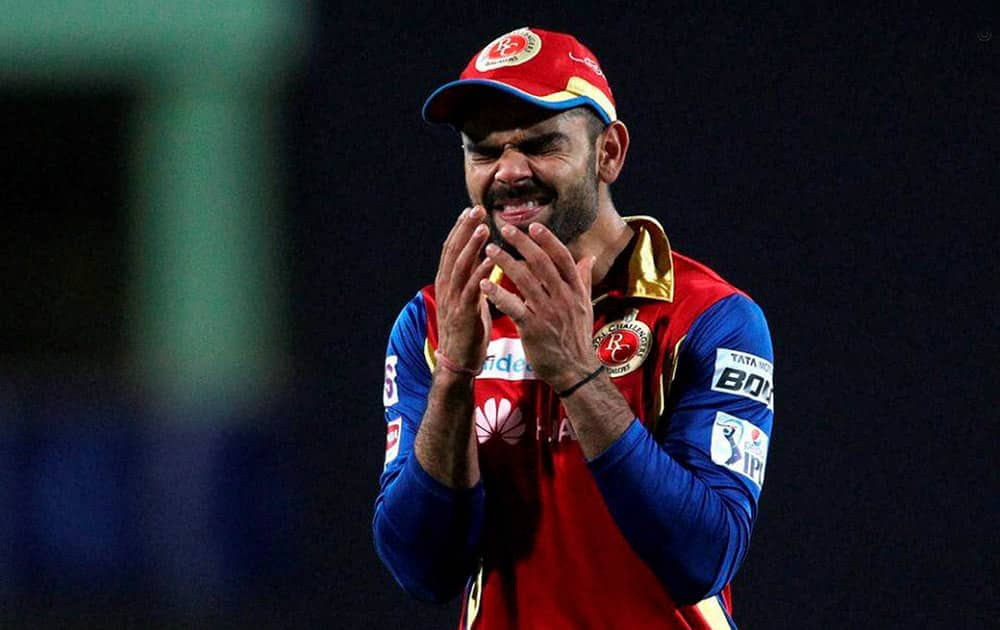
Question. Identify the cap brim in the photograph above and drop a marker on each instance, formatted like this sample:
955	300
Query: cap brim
444	105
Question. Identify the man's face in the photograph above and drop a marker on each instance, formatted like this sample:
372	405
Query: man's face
525	165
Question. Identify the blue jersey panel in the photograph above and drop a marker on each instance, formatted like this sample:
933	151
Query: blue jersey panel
407	381
426	533
687	503
720	425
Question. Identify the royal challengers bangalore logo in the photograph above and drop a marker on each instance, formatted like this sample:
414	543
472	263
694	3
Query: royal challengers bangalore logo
623	345
511	49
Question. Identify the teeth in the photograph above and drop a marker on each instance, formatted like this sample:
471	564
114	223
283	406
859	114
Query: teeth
526	204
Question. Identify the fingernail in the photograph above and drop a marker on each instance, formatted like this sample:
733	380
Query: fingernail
492	249
507	230
535	229
486	286
480	230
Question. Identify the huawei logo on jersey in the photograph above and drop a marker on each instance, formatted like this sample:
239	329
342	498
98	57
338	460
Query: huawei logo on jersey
498	417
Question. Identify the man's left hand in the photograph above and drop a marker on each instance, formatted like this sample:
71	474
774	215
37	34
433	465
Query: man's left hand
553	314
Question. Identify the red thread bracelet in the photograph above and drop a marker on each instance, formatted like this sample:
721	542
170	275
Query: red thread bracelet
451	366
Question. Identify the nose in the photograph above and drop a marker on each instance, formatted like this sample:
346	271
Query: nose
512	167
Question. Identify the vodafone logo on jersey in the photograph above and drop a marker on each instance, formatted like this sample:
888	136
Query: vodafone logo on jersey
623	345
499	418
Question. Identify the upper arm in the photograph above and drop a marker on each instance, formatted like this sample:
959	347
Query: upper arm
721	418
407	382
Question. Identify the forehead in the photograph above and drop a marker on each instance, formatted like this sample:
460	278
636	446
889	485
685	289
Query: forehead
492	112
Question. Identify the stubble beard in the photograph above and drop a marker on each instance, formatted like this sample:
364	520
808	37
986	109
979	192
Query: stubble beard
570	214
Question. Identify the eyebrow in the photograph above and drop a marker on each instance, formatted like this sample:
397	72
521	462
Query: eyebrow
529	144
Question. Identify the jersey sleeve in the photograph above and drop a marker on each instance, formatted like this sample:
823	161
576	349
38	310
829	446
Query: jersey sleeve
686	502
426	533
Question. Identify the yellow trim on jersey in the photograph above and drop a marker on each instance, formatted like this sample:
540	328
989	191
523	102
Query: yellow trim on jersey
673	367
475	595
715	616
660	399
663	392
429	355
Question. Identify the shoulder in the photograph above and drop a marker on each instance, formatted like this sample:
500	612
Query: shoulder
699	291
719	310
697	281
412	323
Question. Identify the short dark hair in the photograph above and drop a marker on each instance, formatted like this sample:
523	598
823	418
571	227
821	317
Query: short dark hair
595	126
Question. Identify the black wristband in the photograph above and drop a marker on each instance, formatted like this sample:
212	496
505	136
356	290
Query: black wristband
586	379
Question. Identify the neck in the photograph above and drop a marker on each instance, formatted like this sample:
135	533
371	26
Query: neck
605	239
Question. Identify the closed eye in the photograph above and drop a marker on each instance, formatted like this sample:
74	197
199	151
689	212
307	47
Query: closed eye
539	145
545	143
482	153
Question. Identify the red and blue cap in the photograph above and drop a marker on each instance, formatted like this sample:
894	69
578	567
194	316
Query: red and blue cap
548	69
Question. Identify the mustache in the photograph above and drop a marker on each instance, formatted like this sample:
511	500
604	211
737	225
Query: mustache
500	193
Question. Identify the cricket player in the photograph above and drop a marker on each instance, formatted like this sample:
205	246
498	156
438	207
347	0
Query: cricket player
578	416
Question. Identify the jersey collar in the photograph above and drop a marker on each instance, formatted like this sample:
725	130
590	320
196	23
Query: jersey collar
650	266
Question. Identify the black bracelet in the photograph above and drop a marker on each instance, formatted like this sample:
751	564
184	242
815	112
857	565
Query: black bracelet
586	379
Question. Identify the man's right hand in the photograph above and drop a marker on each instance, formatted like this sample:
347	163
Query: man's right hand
445	445
462	313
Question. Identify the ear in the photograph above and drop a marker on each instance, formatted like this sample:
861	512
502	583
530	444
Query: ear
612	146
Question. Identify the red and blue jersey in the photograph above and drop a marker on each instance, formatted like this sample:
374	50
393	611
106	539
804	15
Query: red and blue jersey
649	533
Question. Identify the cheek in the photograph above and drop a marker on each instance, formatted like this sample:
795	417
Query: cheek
556	170
476	183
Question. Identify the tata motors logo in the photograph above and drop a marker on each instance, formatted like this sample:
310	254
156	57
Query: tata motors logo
744	375
740	446
511	49
623	345
499	418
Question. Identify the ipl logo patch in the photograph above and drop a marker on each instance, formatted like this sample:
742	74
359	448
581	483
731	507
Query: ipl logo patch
511	49
622	346
740	446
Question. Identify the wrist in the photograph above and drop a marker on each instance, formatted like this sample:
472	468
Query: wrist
587	378
567	379
452	385
447	364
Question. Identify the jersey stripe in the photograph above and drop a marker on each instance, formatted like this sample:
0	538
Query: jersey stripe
714	614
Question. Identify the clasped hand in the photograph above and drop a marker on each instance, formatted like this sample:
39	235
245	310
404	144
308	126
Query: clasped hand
553	314
463	317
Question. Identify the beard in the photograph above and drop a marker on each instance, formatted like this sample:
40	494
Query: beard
572	211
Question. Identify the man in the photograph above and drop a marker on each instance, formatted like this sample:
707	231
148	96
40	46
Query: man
578	417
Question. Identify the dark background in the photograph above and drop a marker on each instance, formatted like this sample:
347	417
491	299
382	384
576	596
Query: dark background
839	165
